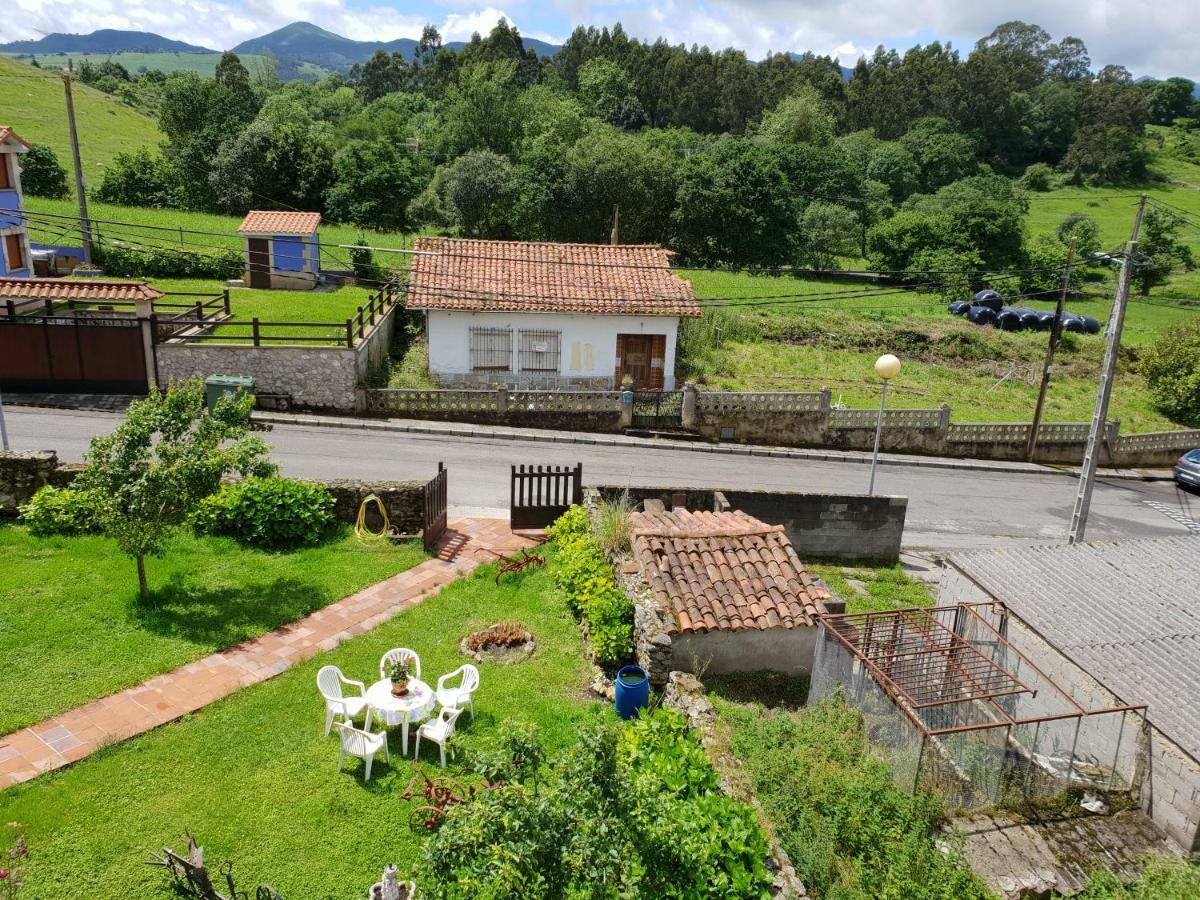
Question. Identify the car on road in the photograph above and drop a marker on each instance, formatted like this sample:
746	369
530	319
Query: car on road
1187	470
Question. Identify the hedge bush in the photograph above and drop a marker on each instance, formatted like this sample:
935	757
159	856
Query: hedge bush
586	579
131	262
55	510
267	512
628	811
1172	369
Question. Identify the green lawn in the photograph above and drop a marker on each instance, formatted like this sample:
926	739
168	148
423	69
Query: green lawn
885	587
72	628
253	777
35	107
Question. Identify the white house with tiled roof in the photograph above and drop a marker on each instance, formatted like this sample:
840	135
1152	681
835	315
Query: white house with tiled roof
282	249
546	315
14	238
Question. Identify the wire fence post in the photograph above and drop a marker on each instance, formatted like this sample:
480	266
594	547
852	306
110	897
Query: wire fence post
254	330
350	333
225	300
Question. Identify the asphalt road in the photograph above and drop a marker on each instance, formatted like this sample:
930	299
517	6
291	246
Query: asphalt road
948	509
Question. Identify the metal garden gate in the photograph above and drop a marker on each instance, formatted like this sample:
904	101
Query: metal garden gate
76	355
658	409
434	510
540	494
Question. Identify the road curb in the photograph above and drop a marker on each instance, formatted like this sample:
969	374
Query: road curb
604	440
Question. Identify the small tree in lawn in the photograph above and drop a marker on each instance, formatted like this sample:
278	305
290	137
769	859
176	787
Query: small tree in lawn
168	454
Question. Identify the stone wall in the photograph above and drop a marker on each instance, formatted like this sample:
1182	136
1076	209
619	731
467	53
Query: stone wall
651	626
22	473
685	693
403	500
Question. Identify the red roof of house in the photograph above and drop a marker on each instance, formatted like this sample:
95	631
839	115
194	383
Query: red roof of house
6	134
269	221
724	571
86	289
527	276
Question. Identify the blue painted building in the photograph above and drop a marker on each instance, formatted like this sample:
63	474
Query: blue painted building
282	249
14	238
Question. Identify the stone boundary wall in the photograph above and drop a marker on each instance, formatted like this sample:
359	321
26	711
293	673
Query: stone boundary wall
317	378
840	527
784	419
685	693
23	473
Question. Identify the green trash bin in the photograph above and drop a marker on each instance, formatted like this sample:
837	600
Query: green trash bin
218	386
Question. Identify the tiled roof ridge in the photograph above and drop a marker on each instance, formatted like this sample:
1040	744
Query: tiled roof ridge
40	287
7	132
437	238
687	524
280	221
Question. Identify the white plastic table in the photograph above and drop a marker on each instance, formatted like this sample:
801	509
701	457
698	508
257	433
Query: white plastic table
414	706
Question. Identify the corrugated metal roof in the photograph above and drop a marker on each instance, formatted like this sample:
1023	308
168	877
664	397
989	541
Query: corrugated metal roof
1127	612
533	276
83	289
269	221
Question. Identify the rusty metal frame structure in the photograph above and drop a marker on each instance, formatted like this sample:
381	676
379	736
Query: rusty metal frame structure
921	663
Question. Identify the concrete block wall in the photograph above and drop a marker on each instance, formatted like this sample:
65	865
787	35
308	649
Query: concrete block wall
22	474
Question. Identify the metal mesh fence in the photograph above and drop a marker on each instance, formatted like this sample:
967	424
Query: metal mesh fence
953	706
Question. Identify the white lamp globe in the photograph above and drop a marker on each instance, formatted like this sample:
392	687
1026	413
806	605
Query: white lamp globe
887	367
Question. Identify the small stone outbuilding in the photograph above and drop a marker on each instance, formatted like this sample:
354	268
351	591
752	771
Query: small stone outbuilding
720	592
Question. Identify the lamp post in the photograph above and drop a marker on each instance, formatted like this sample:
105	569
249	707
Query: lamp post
887	367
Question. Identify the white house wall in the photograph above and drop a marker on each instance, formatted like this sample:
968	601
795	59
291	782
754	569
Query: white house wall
589	345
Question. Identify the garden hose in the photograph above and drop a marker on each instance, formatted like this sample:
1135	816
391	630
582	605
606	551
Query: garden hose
361	531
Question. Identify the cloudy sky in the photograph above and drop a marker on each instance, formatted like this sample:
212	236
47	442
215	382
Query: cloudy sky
1149	38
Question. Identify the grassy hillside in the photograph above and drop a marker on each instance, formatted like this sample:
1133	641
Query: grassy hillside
203	63
32	102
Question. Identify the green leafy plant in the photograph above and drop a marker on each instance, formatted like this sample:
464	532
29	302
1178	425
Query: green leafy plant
610	524
55	510
267	512
586	579
132	262
1172	369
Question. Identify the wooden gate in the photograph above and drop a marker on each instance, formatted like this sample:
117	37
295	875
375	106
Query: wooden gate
74	355
434	510
258	262
540	494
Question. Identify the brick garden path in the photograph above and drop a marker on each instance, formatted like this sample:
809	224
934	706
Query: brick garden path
64	739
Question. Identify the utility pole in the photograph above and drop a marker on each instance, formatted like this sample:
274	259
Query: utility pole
1116	321
85	229
3	428
1055	339
615	237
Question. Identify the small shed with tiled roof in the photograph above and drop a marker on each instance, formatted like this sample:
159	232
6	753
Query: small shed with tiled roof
549	315
14	237
730	591
282	248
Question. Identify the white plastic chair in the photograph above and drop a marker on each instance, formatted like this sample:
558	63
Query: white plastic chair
400	654
329	682
461	695
438	730
362	744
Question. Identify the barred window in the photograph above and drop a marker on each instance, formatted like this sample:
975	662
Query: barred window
491	349
539	351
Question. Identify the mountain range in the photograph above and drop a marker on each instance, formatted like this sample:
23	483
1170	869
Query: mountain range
107	40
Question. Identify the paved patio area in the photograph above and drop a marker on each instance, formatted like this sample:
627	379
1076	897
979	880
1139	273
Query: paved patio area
69	737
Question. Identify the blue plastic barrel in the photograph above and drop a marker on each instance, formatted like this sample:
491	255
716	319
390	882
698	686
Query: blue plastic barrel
632	691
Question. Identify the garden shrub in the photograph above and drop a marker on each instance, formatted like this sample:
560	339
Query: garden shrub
267	512
586	579
628	811
850	831
131	262
1165	878
54	510
1172	369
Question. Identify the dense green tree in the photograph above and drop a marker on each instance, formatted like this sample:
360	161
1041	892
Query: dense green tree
1084	231
827	231
943	154
1171	99
800	118
732	206
477	193
1107	155
42	175
272	164
480	109
1160	250
892	164
140	178
1172	370
384	73
608	93
374	183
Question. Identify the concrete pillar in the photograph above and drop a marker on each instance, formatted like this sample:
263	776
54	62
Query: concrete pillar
626	409
502	400
144	310
826	399
691	397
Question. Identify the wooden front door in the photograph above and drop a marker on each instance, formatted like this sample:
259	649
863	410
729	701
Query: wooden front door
258	252
641	357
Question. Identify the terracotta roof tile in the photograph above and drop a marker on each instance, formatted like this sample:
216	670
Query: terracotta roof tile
85	289
269	221
6	133
527	276
726	571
